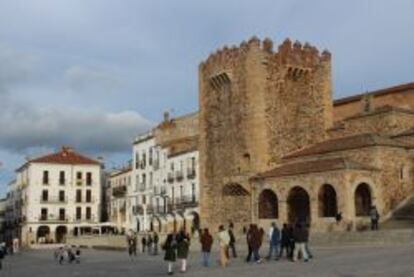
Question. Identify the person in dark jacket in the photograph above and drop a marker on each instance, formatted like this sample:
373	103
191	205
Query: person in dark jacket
232	245
301	236
150	244
374	216
143	243
254	240
2	254
155	242
183	246
248	239
170	248
206	241
285	242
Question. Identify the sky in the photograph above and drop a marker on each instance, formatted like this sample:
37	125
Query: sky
92	74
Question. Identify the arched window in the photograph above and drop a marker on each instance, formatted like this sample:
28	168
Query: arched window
268	205
327	201
298	206
363	200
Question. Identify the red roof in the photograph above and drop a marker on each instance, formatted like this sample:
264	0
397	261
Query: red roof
65	156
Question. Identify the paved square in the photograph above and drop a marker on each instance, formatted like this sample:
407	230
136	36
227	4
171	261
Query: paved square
344	261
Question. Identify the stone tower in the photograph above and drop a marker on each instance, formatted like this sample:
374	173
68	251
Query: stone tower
256	105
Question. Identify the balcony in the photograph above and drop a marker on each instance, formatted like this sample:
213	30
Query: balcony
54	200
170	177
139	209
79	182
191	173
179	176
185	202
85	201
92	219
51	218
119	191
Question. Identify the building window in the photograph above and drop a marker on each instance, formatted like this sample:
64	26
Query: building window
150	156
45	177
89	179
268	205
193	193
61	196
45	195
43	214
88	213
181	193
61	178
78	213
144	180
151	181
78	196
136	160
79	175
89	196
62	214
144	200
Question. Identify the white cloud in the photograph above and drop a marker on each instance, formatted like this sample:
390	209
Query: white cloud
24	126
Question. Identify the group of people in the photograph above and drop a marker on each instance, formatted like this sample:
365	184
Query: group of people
149	243
293	240
69	254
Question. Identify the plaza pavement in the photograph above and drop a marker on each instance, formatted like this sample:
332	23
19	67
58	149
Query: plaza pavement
333	261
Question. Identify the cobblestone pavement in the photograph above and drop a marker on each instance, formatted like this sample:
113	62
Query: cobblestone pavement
338	261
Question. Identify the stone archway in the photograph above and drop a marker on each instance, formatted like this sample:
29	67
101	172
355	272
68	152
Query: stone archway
60	234
298	206
268	205
363	200
327	201
43	233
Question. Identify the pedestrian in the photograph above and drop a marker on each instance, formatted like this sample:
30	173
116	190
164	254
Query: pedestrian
170	247
300	235
224	241
254	240
291	240
143	243
248	241
307	248
274	241
285	242
206	241
149	244
232	245
374	215
2	254
155	242
77	255
183	246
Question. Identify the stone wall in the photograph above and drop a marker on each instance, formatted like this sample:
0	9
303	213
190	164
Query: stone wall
386	121
255	106
400	96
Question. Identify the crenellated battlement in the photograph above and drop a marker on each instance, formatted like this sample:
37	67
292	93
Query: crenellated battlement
295	54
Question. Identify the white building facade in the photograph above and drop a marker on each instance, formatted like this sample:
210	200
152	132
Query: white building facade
120	182
61	195
165	184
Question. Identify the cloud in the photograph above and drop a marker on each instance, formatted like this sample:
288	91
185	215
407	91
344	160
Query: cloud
24	126
83	79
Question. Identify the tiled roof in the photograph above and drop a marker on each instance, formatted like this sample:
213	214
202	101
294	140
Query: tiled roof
313	167
65	156
346	143
380	92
